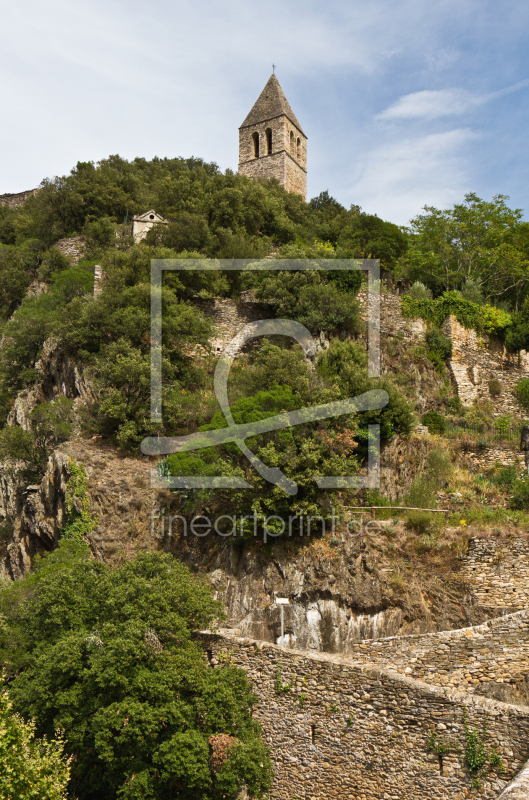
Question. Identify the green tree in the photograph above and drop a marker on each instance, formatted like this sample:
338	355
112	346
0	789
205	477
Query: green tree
483	242
108	656
32	769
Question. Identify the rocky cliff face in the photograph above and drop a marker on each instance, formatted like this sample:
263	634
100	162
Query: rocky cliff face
60	375
32	514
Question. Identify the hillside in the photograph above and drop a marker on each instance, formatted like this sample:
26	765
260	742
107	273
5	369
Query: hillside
75	383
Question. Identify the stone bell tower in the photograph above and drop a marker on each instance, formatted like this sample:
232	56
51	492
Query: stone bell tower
272	143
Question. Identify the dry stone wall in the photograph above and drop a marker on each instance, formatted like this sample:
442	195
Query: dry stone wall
15	200
347	729
392	321
480	459
229	318
468	659
478	359
497	570
73	247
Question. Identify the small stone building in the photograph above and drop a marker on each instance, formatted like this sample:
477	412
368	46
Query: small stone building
272	143
142	224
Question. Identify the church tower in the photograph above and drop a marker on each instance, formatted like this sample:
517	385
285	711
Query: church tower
272	143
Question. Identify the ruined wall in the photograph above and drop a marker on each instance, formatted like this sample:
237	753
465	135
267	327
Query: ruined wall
230	317
73	247
477	359
392	321
481	458
349	730
15	200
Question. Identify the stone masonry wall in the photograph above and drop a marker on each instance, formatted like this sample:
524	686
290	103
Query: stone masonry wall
347	729
392	321
477	359
72	247
496	652
289	168
15	200
229	317
497	570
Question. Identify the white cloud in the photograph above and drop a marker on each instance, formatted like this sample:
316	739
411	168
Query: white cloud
432	104
397	179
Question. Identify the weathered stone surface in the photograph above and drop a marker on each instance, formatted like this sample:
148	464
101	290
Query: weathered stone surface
349	729
15	200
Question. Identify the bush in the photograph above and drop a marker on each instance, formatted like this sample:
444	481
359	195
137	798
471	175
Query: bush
520	494
419	291
434	421
522	392
421	494
438	465
495	387
438	344
506	477
487	318
31	768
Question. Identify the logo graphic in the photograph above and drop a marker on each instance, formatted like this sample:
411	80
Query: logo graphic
238	433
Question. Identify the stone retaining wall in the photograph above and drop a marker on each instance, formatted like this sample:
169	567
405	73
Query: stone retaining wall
497	570
392	321
346	729
496	652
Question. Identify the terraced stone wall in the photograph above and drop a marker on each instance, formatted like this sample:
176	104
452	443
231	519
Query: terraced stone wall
346	729
469	659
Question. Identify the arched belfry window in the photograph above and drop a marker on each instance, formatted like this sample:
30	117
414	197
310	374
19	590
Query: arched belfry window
292	150
268	141
255	137
298	148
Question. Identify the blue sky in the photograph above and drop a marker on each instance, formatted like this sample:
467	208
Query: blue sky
405	103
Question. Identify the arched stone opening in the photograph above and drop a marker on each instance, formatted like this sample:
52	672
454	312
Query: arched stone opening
255	137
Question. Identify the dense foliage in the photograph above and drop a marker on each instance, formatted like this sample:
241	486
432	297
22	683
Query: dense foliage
483	318
31	768
486	243
107	655
275	380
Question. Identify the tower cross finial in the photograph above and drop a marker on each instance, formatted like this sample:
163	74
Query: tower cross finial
274	69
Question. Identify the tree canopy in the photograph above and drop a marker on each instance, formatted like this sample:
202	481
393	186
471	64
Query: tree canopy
107	655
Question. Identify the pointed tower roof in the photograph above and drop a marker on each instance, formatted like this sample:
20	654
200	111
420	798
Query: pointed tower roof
271	103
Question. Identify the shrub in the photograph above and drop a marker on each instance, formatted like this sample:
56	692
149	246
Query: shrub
488	319
116	667
31	768
434	421
506	477
421	494
439	344
454	404
522	392
419	291
520	493
438	465
495	387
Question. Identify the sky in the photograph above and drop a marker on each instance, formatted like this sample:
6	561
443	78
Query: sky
405	104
